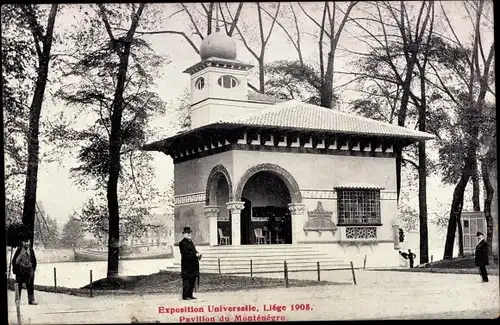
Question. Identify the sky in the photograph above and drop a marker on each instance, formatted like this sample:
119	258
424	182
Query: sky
60	196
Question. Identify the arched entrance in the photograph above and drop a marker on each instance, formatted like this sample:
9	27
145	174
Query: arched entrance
267	197
218	193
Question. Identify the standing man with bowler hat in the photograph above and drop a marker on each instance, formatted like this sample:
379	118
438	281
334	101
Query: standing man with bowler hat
190	267
481	256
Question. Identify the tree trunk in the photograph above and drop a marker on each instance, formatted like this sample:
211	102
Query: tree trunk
460	233
114	168
327	89
489	191
115	143
475	187
422	199
456	207
261	74
29	207
405	98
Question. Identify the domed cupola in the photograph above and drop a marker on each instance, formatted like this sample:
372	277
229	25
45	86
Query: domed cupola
218	45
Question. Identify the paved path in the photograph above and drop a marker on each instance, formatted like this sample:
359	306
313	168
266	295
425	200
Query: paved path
378	295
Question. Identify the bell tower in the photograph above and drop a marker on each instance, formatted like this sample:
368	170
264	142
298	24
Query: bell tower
219	77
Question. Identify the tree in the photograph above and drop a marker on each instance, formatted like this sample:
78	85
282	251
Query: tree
332	32
27	19
43	44
46	230
293	80
114	70
264	37
472	67
72	233
393	76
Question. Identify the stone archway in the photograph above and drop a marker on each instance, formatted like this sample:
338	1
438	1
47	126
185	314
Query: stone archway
282	173
213	177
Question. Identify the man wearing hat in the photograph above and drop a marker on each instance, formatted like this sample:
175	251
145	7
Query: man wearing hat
481	256
190	266
24	266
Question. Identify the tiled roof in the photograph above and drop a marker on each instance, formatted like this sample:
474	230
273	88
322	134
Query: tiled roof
294	114
258	97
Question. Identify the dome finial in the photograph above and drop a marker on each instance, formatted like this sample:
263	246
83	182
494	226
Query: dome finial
218	44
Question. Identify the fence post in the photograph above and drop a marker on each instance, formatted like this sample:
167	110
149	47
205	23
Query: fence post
286	274
364	263
55	280
91	293
218	262
18	303
353	275
319	278
251	269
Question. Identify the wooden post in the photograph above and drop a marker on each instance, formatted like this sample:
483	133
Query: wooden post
432	258
319	278
251	269
364	263
286	274
218	262
18	303
55	280
353	275
91	293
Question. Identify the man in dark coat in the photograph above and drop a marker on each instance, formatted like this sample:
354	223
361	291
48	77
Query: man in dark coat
24	266
481	256
411	257
190	267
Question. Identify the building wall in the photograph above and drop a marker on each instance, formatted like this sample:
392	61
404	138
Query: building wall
317	171
190	184
317	175
213	110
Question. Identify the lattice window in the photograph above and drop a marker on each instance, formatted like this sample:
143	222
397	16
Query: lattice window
361	232
358	206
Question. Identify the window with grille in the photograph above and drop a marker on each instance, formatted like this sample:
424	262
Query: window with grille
227	81
358	207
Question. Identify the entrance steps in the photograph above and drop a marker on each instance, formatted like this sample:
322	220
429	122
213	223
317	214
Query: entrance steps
263	258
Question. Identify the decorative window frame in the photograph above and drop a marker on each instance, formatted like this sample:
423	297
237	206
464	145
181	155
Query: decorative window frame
371	203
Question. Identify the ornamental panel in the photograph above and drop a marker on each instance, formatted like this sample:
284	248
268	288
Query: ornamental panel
361	232
189	198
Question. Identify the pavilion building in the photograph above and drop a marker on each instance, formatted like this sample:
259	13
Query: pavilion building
254	171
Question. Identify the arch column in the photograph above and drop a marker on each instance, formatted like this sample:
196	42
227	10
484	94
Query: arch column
297	211
235	207
211	213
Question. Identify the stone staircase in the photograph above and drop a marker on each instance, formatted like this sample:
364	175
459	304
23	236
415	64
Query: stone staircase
264	258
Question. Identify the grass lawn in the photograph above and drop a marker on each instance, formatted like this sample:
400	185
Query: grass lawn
171	282
458	265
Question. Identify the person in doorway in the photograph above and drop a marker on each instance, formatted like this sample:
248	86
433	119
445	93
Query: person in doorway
481	256
190	267
271	225
24	266
411	258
